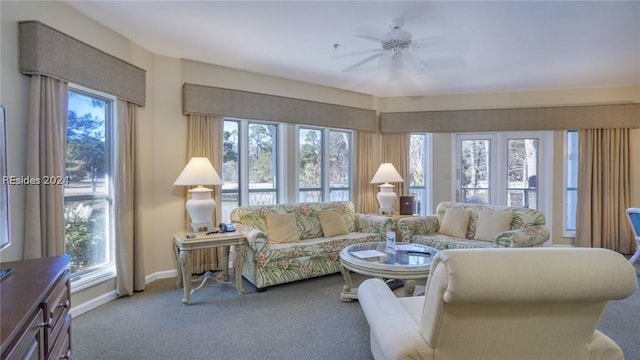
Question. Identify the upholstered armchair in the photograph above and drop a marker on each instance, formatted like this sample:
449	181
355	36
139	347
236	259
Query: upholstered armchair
502	303
633	215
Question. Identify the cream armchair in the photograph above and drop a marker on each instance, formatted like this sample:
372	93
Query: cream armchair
533	303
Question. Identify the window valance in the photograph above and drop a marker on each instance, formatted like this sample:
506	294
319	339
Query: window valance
543	118
46	51
214	101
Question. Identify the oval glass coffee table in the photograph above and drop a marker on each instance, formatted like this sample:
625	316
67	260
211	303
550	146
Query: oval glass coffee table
407	263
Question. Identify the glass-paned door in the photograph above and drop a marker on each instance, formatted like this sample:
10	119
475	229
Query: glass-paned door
501	168
475	162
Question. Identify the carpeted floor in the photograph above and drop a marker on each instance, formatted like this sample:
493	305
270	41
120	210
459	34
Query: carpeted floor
301	320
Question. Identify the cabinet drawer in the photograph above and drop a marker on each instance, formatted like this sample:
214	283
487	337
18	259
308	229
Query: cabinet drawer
61	348
30	345
56	308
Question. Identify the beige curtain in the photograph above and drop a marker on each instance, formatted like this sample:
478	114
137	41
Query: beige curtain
205	139
603	190
46	153
129	252
395	150
364	193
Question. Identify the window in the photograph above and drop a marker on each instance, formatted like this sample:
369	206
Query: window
502	168
250	171
324	164
87	189
419	175
571	182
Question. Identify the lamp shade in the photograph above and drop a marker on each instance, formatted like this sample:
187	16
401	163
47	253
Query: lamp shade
386	173
198	171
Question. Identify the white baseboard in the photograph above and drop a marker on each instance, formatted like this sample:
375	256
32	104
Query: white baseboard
77	310
160	275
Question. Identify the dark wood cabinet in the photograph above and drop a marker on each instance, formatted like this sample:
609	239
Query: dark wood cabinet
34	308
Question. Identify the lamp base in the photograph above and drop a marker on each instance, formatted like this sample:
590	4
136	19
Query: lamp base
386	199
200	208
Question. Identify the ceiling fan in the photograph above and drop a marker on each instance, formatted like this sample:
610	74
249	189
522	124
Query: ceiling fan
397	51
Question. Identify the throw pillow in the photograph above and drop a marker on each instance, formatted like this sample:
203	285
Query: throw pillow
455	223
490	223
281	228
332	223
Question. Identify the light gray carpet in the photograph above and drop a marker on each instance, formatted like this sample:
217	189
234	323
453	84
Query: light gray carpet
301	320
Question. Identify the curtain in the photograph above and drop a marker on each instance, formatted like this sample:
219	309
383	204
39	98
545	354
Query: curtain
127	197
46	153
604	189
205	139
395	150
364	193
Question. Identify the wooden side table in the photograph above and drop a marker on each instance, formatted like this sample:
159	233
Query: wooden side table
183	248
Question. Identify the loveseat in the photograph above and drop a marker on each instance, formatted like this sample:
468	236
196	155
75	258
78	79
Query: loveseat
465	225
290	242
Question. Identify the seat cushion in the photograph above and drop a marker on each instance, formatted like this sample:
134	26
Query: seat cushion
442	242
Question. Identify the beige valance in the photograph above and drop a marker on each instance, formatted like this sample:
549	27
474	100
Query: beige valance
46	51
214	101
543	118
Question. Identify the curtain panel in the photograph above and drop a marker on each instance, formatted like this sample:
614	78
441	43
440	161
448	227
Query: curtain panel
395	150
205	138
604	181
46	154
130	274
364	193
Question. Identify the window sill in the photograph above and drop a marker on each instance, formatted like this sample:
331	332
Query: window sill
84	281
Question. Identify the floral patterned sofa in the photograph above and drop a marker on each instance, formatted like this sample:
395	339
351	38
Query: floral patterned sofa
485	226
267	263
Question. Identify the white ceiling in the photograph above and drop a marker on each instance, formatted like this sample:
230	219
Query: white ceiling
505	46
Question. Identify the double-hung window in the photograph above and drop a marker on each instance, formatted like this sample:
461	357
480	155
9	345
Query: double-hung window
571	182
250	164
87	187
324	164
420	172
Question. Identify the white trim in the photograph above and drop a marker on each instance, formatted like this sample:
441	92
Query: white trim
77	310
160	275
93	278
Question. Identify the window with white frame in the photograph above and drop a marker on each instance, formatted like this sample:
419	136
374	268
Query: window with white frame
87	186
420	172
505	168
250	164
571	181
324	169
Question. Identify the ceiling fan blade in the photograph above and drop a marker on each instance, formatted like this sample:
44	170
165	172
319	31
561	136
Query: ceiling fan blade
369	37
357	53
362	62
414	63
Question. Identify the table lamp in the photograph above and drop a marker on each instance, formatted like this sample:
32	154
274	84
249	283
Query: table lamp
386	197
200	206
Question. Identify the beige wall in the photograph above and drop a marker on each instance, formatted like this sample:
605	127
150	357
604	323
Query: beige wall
163	129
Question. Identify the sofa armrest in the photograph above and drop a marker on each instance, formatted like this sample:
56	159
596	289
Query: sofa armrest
417	225
394	334
375	224
256	239
526	237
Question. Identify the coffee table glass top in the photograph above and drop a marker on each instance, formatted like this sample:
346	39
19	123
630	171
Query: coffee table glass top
405	254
